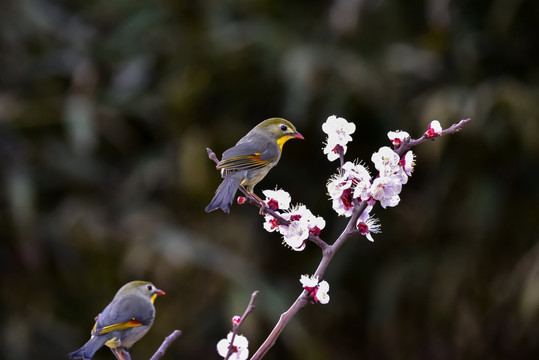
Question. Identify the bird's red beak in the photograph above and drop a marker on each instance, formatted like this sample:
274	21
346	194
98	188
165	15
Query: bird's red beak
159	292
297	135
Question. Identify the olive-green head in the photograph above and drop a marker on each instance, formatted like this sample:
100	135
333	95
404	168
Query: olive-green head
140	288
282	130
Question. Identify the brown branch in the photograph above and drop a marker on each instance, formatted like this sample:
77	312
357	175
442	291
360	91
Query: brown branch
236	325
212	156
250	307
327	254
284	319
409	143
166	343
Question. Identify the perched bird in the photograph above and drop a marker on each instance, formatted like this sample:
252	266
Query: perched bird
248	162
123	322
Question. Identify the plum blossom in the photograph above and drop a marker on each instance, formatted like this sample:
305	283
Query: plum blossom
343	187
240	350
315	224
386	189
408	162
341	193
338	131
277	199
332	150
356	171
317	290
367	224
360	177
271	224
308	282
295	234
434	129
388	163
322	294
397	137
354	183
302	223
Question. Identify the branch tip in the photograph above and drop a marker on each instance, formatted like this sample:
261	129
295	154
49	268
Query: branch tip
166	343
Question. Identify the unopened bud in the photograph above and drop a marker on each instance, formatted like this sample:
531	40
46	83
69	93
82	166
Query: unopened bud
241	200
236	320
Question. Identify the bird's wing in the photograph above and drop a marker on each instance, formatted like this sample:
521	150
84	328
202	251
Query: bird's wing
124	313
119	326
243	156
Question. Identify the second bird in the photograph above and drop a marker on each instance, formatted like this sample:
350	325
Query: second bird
248	162
123	322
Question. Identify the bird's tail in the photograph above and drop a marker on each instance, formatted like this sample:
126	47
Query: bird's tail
88	350
224	195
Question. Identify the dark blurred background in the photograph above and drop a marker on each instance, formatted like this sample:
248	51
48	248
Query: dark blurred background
106	108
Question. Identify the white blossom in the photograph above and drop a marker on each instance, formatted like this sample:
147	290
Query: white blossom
322	294
388	164
302	223
408	162
338	131
397	137
240	347
342	187
386	189
277	199
367	224
308	282
317	290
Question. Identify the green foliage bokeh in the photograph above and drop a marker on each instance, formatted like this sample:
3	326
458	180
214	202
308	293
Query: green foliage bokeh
106	108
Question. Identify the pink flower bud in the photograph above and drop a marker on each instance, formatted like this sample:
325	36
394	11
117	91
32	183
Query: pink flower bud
241	200
434	129
236	320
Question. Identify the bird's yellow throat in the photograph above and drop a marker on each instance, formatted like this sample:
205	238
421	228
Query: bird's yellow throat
283	139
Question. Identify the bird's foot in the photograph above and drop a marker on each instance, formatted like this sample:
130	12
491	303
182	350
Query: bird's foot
121	354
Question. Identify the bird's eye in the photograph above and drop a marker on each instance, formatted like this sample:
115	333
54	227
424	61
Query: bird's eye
284	127
149	287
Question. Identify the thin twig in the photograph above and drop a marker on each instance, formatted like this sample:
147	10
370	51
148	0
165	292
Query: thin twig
235	325
284	319
212	156
327	254
166	343
409	143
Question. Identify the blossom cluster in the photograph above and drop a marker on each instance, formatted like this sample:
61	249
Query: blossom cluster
301	220
354	183
317	290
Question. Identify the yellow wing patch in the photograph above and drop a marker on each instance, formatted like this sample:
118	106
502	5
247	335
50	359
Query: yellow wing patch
120	326
245	162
